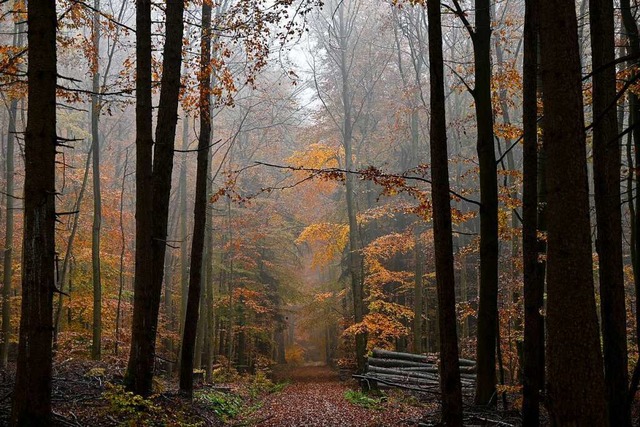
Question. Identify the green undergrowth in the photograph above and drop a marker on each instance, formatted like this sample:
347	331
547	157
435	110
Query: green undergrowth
225	406
261	384
365	400
129	407
238	406
131	410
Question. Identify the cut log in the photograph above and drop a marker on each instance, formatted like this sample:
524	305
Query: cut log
433	368
403	379
467	362
409	357
406	374
396	363
386	354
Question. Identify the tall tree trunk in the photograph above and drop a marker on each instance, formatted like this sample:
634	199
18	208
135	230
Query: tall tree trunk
633	48
184	252
8	245
31	404
442	235
149	285
355	257
575	371
606	169
123	247
97	197
7	272
209	301
141	358
418	308
200	209
533	366
488	294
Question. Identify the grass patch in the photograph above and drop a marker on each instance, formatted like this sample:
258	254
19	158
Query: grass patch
362	399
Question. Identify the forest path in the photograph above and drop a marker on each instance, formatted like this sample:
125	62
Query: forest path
315	397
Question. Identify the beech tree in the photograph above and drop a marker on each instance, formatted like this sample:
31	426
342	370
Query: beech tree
31	401
200	209
533	273
443	240
575	378
606	177
488	291
155	171
96	346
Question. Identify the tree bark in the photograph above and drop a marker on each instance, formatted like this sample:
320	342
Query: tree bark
97	197
7	272
442	234
141	358
606	169
31	404
8	245
633	48
355	256
575	371
488	294
182	183
418	309
148	284
123	247
200	209
533	366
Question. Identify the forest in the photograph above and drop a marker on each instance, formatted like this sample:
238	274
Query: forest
320	213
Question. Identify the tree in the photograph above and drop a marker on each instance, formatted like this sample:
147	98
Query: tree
488	293
9	224
141	358
606	177
575	381
443	241
31	405
97	197
200	209
533	352
633	49
148	284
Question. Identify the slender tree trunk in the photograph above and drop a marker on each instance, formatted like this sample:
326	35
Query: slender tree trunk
488	300
209	301
149	285
200	330
31	405
442	235
606	169
97	197
200	209
123	248
575	371
8	245
65	271
417	296
355	257
141	358
533	366
184	253
7	271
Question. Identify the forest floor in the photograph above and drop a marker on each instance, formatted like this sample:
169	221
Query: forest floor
315	396
89	393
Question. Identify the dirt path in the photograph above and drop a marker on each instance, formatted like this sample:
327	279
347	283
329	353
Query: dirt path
315	397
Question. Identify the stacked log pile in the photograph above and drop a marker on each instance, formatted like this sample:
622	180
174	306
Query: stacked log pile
411	370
